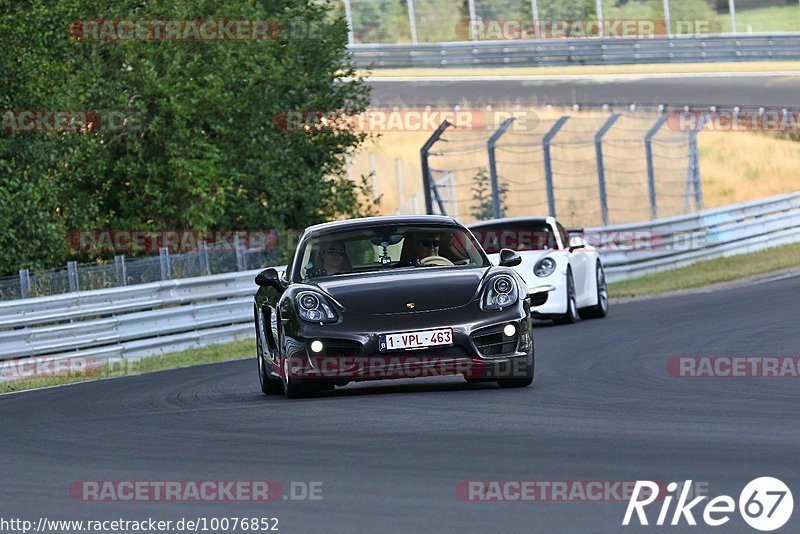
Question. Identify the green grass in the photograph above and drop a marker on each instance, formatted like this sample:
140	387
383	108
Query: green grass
764	19
710	272
211	354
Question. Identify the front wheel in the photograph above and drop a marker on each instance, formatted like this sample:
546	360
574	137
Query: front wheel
599	310
269	386
572	315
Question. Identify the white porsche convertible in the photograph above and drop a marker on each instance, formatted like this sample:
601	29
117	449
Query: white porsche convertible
563	273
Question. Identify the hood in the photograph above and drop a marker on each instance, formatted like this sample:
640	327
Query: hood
429	288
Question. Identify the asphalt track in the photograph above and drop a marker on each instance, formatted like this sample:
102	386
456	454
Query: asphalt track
389	455
747	91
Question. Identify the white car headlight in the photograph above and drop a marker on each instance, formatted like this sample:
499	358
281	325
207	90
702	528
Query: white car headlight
500	292
544	267
315	308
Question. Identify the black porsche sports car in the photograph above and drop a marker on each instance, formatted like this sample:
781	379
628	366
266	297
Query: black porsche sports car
391	297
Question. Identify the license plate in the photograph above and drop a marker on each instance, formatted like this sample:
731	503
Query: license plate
416	340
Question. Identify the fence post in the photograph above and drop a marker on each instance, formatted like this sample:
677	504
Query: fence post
601	170
163	256
204	267
651	174
426	171
496	211
72	276
548	166
693	172
348	15
412	21
24	283
237	246
122	272
535	13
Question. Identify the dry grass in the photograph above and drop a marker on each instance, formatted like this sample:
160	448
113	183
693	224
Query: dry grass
735	167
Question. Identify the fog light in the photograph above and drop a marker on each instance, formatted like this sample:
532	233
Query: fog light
509	330
316	346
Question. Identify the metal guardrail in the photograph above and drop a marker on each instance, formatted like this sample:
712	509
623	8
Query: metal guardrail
156	318
632	250
585	51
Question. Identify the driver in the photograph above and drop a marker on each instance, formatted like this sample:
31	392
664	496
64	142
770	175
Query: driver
331	259
425	245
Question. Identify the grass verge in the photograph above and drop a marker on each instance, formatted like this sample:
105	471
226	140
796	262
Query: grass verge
211	354
710	272
578	70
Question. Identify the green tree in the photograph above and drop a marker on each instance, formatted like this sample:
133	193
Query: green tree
483	203
202	148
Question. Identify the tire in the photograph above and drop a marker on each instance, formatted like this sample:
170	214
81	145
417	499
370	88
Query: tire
599	310
269	386
291	388
572	315
519	382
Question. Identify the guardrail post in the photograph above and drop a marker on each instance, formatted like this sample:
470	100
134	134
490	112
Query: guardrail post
163	256
426	171
122	271
651	173
72	276
548	166
496	211
601	171
237	246
204	265
24	283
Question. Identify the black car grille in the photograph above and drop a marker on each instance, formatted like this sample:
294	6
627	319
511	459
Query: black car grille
341	348
491	341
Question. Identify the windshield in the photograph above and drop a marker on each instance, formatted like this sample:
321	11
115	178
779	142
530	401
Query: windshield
390	247
531	235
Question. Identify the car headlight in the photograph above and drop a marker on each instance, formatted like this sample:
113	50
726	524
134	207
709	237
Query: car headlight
500	292
544	267
315	308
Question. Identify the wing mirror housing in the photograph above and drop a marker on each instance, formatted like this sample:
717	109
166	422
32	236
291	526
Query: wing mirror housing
268	278
509	258
576	242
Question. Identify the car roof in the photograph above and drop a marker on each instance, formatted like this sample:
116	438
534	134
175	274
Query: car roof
510	220
366	222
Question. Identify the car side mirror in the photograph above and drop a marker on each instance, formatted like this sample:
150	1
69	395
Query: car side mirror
575	243
268	278
509	258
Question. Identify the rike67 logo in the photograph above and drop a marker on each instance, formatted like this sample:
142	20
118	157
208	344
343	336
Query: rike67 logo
766	504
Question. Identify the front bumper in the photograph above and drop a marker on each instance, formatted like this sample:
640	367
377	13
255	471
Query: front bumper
351	348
